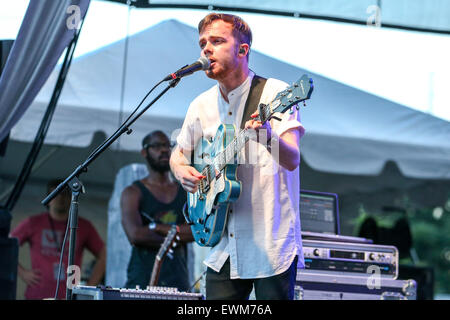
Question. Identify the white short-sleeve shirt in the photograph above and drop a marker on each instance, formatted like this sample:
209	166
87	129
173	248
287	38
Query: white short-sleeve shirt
263	233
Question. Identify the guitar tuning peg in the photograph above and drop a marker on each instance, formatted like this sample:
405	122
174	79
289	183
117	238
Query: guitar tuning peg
178	238
304	103
297	107
174	245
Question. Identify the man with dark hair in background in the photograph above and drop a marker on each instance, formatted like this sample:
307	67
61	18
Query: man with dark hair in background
45	232
150	207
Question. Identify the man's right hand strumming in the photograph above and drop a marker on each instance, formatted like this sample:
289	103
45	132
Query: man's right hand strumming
187	175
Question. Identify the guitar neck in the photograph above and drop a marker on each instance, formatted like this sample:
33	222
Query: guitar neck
234	147
163	251
155	272
299	91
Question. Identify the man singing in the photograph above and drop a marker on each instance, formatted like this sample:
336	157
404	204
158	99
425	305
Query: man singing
261	247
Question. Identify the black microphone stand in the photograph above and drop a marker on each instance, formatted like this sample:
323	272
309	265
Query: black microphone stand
76	185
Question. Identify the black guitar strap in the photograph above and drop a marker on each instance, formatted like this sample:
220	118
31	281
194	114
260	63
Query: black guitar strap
251	105
253	98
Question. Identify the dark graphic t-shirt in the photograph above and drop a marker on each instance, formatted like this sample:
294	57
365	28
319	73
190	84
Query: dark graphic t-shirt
174	270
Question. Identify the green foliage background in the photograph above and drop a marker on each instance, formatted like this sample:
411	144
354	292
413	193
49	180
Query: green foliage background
431	238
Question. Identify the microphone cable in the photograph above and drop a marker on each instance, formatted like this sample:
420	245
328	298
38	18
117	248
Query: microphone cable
202	60
125	122
198	279
61	258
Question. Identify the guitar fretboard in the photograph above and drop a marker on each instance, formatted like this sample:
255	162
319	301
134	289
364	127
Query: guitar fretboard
284	100
227	156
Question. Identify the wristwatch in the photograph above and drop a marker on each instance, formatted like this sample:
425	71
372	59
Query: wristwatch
152	226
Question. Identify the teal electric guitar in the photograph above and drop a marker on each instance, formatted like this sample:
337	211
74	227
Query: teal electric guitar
216	160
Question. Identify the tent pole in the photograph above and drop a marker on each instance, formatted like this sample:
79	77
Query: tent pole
124	69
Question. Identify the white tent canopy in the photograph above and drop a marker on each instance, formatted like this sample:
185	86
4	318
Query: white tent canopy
431	14
348	131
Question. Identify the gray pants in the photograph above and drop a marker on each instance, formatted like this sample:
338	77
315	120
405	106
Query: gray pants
219	286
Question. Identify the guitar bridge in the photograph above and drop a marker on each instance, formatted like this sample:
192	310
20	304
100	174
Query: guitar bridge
209	173
203	188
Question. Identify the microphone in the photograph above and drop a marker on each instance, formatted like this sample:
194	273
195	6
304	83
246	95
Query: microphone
201	64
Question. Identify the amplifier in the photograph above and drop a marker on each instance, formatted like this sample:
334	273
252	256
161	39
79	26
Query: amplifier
307	235
332	287
151	293
350	259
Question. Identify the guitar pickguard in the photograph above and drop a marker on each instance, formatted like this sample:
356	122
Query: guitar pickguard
217	186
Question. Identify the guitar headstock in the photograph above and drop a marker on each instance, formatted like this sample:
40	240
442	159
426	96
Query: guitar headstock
169	243
299	91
